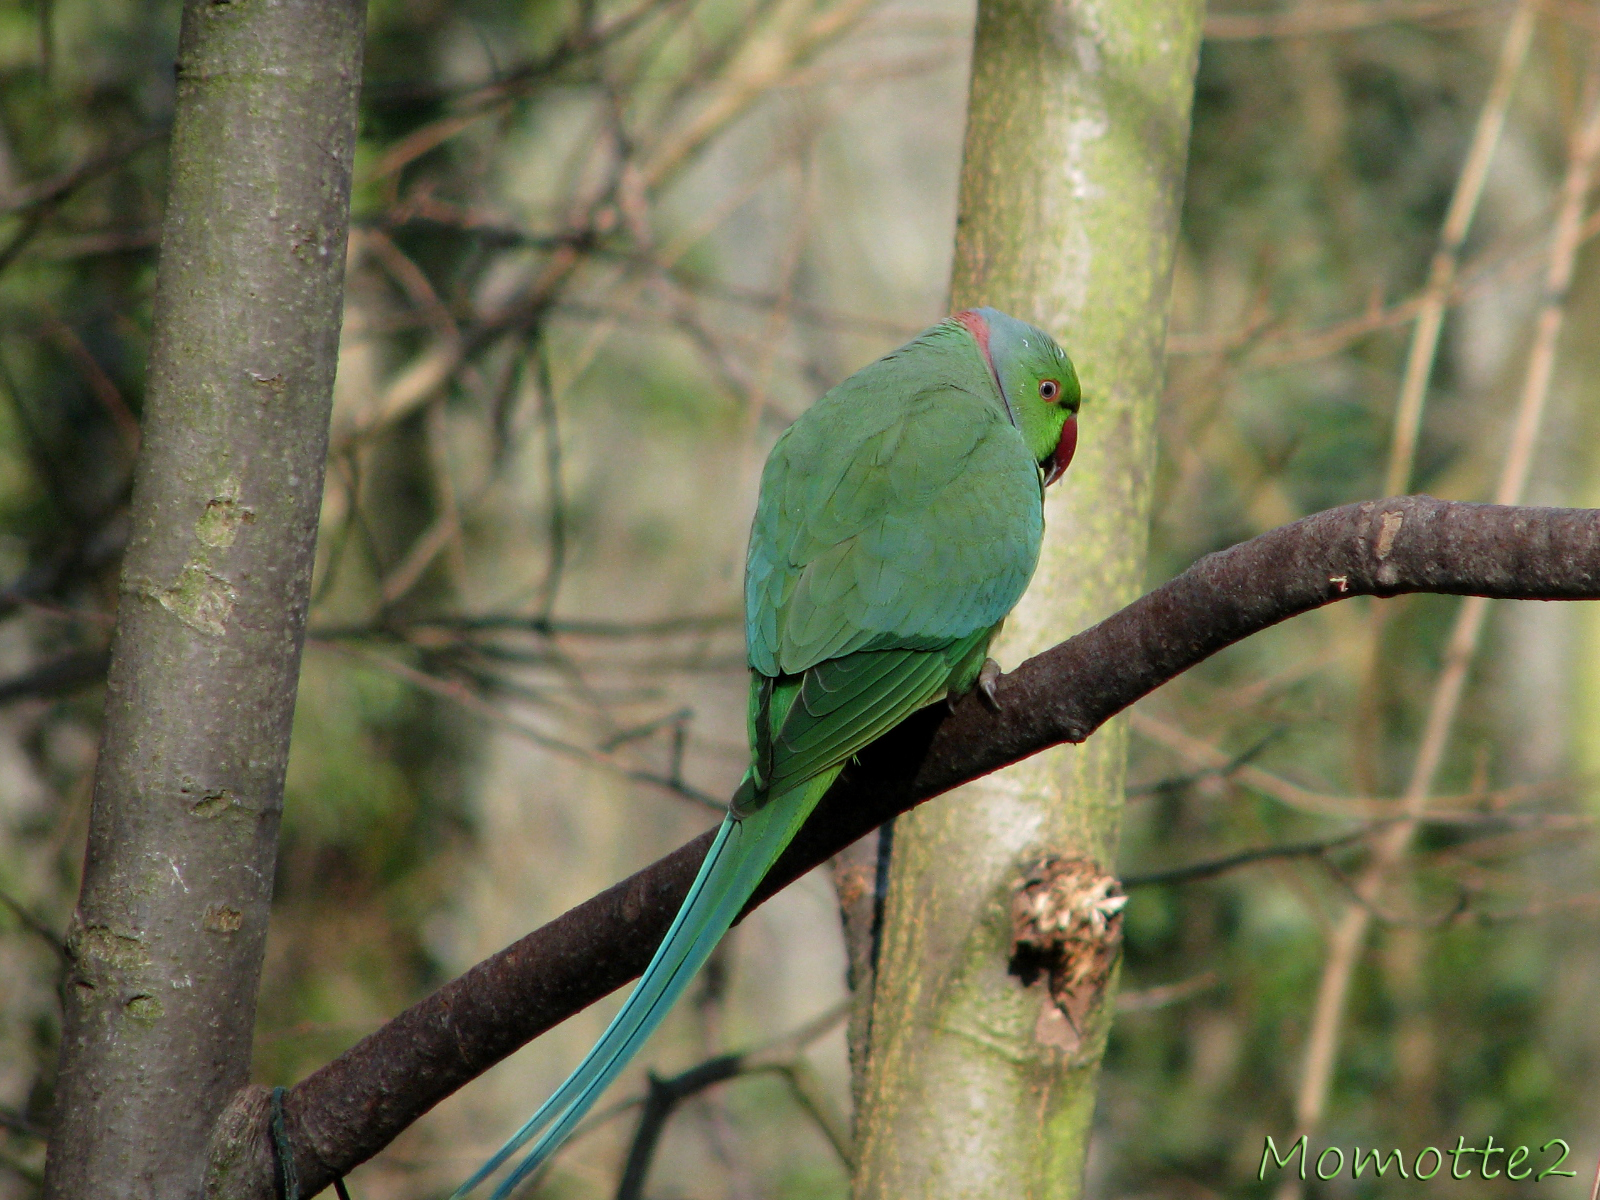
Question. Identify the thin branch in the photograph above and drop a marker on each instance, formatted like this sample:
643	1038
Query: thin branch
555	490
1256	344
458	693
494	97
1375	912
429	137
405	574
1238	769
663	1097
1209	868
105	390
426	212
808	1090
1539	908
49	192
19	1124
350	1109
781	1057
1165	995
16	1165
522	78
34	204
543	626
36	927
1442	270
63	674
765	63
1339	16
1213	763
1319	847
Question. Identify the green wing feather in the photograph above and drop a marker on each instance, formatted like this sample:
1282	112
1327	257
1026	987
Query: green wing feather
845	704
899	521
855	553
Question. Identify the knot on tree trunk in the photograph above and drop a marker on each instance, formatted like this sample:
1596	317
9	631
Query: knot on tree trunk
1066	929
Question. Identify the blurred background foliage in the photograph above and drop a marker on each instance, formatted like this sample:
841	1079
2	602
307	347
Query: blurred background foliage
602	253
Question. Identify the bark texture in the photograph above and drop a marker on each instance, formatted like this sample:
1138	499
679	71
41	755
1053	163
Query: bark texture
343	1114
979	1084
167	938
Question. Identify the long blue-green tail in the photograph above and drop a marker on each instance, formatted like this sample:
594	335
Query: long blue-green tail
743	852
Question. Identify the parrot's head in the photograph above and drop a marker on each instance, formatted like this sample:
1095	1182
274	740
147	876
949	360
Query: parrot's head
1037	385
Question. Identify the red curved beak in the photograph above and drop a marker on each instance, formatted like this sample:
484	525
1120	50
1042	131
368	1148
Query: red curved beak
1064	451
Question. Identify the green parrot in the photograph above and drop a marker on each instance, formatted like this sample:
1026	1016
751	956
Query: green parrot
898	523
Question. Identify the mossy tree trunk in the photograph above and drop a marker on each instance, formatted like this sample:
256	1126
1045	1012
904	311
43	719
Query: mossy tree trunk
977	1084
167	938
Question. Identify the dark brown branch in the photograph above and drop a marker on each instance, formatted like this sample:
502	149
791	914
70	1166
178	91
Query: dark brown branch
35	202
542	626
663	1097
19	1124
1496	823
1336	18
59	675
1211	867
350	1109
58	188
35	926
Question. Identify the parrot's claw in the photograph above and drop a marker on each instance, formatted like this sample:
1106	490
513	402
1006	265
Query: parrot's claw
988	676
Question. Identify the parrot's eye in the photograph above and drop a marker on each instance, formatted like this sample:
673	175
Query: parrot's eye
1049	390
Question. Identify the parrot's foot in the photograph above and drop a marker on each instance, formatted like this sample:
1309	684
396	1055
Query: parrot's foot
988	676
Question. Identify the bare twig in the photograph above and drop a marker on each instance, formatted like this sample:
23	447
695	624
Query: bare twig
781	1057
663	1097
1442	270
36	927
22	1169
1231	767
1258	344
524	77
458	693
104	388
1318	847
34	204
1337	16
19	1124
1314	848
56	676
555	490
405	574
1151	998
1214	763
541	626
764	62
52	191
759	64
1539	908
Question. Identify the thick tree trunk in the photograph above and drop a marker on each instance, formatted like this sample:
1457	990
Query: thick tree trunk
167	938
980	1084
